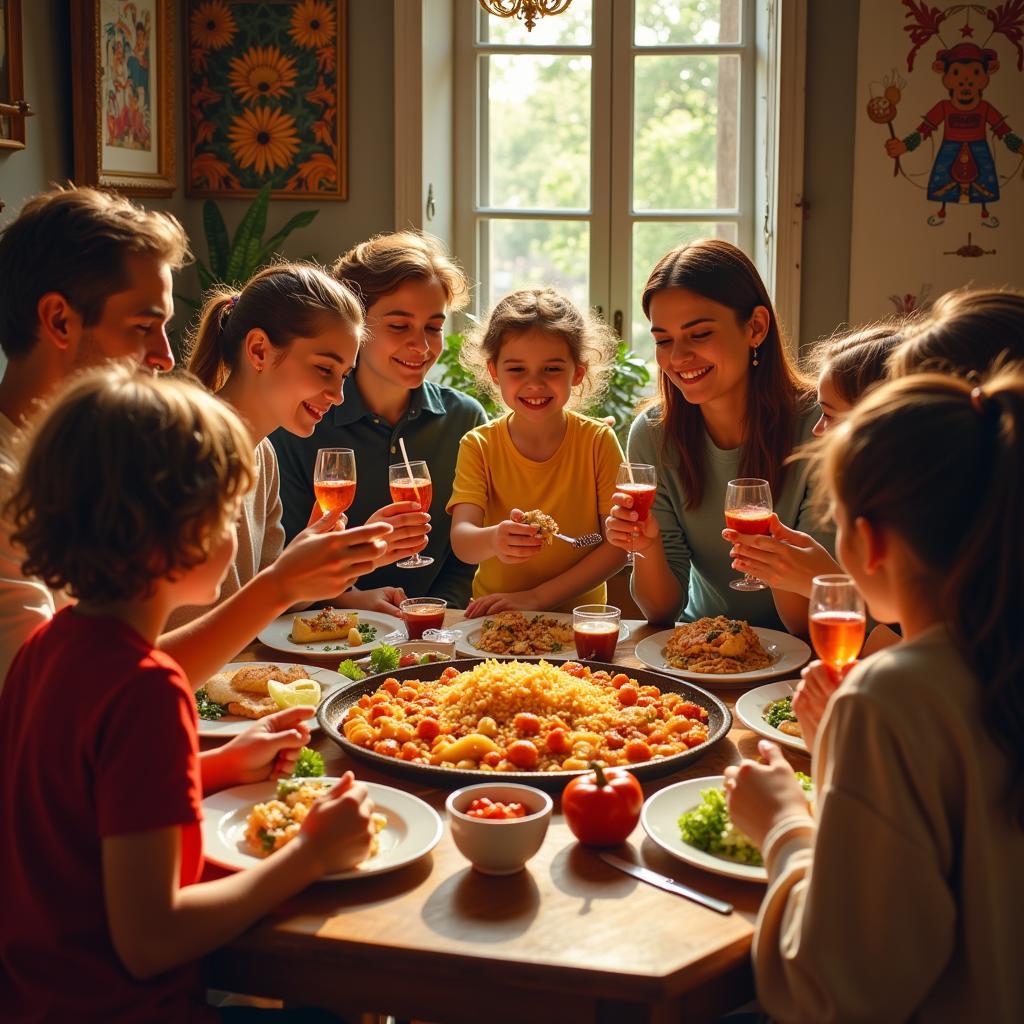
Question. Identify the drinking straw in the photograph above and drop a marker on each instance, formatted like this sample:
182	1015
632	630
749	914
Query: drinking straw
408	466
629	470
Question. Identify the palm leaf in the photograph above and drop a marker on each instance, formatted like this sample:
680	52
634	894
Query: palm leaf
253	225
216	238
300	220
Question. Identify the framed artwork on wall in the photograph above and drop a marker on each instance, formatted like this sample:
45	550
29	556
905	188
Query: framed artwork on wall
12	129
266	98
123	94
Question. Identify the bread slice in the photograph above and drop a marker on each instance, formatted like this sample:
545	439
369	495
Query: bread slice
326	624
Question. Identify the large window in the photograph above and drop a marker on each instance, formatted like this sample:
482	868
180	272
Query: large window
589	147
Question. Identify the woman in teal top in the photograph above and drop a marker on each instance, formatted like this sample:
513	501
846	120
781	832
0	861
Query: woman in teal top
731	404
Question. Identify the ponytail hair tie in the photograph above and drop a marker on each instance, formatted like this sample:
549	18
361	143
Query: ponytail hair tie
979	401
226	309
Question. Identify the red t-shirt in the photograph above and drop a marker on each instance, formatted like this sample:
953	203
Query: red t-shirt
97	738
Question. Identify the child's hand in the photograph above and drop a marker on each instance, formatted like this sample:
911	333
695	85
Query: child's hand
338	826
523	600
317	513
268	749
516	541
409	529
321	562
818	683
381	599
786	560
622	529
760	795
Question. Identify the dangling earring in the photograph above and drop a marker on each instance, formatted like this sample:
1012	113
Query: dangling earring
754	354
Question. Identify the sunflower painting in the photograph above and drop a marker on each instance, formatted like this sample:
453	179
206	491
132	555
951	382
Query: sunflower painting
266	98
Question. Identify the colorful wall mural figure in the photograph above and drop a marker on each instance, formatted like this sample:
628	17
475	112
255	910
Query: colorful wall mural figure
963	170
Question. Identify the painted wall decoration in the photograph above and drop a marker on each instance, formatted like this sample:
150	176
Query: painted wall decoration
123	72
266	98
939	155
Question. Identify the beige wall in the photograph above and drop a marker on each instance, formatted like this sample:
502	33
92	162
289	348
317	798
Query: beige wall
831	101
370	206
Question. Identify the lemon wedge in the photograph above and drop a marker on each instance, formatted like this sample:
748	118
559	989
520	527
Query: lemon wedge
303	692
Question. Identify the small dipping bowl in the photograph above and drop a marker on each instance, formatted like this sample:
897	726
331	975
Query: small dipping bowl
499	847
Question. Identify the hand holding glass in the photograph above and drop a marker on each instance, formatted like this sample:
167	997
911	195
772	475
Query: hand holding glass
334	479
748	509
418	488
837	621
638	480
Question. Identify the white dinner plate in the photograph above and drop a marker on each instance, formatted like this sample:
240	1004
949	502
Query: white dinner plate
413	828
660	819
232	725
472	628
278	635
750	710
788	653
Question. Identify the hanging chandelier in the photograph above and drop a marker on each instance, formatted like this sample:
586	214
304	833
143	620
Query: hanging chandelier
525	10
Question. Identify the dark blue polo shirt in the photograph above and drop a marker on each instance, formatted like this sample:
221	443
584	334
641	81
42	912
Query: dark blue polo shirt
432	426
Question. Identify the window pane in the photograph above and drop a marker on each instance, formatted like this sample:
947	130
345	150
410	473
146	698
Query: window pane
535	253
538	132
685	133
570	28
687	22
650	242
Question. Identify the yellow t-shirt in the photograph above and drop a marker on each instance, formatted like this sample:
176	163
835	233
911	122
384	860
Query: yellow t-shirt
574	487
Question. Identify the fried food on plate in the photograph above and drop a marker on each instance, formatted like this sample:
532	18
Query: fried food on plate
326	624
244	691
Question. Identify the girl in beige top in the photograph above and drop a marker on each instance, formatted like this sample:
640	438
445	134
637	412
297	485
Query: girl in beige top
904	899
278	352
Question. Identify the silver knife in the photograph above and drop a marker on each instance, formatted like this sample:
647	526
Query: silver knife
664	882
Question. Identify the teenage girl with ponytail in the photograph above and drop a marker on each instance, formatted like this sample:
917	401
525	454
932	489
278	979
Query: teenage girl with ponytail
278	352
902	898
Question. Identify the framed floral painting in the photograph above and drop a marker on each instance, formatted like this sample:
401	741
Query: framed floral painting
12	129
122	64
266	98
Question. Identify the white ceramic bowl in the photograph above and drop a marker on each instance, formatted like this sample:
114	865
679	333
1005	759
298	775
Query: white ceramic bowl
499	847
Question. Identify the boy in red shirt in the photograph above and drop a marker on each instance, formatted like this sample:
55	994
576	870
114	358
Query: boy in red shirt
100	775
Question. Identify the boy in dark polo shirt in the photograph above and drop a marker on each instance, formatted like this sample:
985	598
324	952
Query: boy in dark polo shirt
407	285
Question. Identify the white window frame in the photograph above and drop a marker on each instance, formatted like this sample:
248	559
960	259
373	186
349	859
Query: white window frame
436	154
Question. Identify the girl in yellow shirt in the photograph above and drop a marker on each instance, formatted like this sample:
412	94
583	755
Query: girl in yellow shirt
543	357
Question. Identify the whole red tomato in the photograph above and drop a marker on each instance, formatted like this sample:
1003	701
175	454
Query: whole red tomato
603	806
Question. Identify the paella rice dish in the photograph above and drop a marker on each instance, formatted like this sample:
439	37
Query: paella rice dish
275	823
525	716
718	646
515	633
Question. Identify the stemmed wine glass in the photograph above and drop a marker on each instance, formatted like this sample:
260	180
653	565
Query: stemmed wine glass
411	482
748	509
837	621
639	481
334	479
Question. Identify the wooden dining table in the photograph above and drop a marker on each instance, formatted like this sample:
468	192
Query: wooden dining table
568	939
